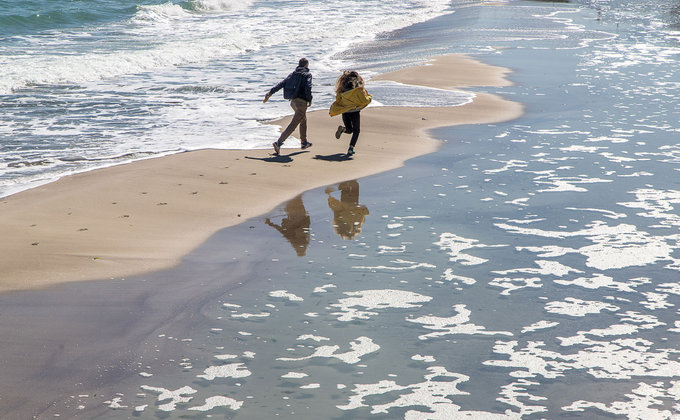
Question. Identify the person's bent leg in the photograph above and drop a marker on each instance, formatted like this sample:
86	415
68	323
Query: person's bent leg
300	107
347	121
356	128
297	117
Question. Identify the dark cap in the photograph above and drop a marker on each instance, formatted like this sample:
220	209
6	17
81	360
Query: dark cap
303	62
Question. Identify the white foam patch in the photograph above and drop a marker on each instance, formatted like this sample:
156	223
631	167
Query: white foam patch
511	284
600	280
643	402
635	174
294	375
324	288
311	386
613	246
283	294
431	394
606	213
673	288
578	308
607	139
511	394
548	251
218	401
401	265
620	359
511	164
246	315
426	359
457	324
656	301
657	204
114	403
454	246
618	159
534	360
372	300
312	337
566	184
178	396
632	322
522	201
449	276
540	325
677	327
384	249
233	370
360	347
581	148
226	356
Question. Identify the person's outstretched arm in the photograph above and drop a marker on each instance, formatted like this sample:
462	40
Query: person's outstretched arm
275	89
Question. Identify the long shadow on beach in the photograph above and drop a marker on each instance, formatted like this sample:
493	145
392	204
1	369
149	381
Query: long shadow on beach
278	159
337	157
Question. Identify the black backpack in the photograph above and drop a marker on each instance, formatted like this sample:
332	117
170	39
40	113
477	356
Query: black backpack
291	86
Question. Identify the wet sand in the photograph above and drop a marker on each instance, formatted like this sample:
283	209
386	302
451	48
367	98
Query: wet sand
144	216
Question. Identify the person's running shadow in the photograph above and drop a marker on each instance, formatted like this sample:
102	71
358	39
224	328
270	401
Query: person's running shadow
278	158
295	226
337	157
348	214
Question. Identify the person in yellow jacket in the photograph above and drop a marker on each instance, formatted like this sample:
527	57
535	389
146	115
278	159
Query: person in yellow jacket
350	98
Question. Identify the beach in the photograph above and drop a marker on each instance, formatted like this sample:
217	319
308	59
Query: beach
509	250
146	215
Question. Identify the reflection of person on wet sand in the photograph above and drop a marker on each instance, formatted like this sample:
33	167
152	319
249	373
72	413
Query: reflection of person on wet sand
295	227
348	214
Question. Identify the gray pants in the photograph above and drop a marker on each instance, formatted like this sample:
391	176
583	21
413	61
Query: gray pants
299	118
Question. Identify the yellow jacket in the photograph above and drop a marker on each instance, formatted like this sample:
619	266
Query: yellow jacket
353	99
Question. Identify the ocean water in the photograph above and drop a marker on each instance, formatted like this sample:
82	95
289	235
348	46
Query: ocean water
529	269
86	84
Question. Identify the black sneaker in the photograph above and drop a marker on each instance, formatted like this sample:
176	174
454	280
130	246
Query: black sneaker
277	148
305	145
339	131
350	151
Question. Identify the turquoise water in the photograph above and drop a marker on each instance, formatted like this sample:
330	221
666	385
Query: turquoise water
30	17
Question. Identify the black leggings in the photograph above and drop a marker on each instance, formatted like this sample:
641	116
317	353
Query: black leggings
352	121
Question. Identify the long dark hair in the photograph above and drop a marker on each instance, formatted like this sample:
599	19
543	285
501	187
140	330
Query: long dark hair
348	80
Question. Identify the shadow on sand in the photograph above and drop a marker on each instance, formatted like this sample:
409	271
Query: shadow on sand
278	158
337	157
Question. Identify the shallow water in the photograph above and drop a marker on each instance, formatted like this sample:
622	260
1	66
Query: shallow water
529	269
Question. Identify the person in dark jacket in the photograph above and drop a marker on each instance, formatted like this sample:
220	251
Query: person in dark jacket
297	87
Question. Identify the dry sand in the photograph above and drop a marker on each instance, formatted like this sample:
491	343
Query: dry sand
144	216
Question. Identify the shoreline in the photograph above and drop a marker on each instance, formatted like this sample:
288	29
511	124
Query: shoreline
146	215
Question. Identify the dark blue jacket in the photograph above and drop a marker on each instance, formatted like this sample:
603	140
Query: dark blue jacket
298	84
